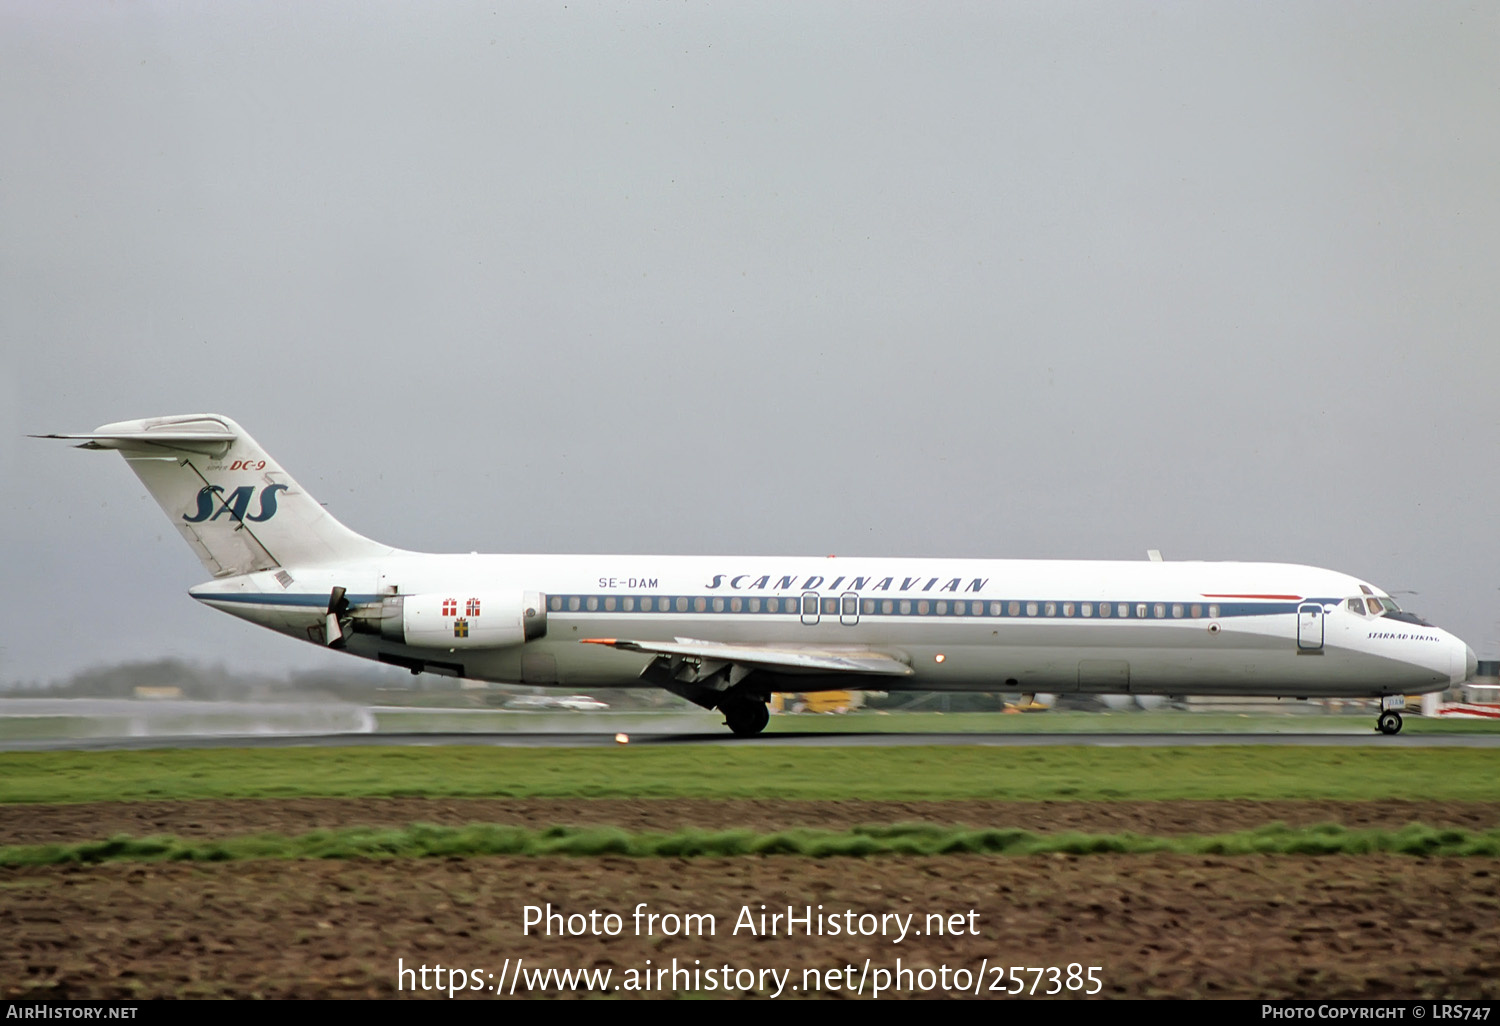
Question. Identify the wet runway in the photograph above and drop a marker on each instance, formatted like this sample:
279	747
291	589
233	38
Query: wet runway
805	739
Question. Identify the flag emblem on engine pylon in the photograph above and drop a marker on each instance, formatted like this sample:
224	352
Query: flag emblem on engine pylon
460	628
450	607
471	607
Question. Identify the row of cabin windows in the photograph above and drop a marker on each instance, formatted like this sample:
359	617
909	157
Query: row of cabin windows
845	605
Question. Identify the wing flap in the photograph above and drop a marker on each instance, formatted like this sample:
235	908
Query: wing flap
795	658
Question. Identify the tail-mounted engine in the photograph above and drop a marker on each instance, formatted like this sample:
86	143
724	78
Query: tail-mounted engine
487	620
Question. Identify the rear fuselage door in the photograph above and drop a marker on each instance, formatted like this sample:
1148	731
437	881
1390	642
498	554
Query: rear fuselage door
1310	627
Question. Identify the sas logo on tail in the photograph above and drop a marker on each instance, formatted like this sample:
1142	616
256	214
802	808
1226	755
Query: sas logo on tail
236	504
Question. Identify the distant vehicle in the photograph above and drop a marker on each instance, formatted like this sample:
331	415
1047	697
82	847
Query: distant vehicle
839	701
1030	703
726	631
581	702
531	702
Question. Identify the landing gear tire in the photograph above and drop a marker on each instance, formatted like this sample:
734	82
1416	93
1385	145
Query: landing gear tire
1389	722
746	717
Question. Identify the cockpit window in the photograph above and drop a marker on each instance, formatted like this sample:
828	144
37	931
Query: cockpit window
1395	612
1384	605
1357	605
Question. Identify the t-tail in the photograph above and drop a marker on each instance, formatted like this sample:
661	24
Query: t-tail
233	503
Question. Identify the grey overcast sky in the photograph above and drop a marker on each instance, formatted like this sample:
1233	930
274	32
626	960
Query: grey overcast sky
996	279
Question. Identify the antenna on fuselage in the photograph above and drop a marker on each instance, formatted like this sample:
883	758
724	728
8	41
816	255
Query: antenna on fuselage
1154	555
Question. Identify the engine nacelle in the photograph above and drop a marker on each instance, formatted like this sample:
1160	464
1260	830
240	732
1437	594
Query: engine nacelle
486	620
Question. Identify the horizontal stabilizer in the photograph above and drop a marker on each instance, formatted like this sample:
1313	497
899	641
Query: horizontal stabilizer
214	441
785	658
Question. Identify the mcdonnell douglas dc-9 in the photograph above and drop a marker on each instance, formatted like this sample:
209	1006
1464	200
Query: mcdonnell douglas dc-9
725	632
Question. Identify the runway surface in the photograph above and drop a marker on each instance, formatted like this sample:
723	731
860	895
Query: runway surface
804	739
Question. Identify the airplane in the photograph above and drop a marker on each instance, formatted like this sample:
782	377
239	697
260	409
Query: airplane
724	632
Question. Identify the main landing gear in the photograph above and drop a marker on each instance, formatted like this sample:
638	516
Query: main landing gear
1389	722
745	715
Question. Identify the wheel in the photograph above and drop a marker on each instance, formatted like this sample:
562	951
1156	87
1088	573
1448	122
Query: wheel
746	716
1389	722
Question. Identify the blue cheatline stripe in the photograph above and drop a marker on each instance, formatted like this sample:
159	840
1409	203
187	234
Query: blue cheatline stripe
319	601
792	606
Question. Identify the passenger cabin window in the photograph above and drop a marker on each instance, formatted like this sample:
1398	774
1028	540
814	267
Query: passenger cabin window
1105	609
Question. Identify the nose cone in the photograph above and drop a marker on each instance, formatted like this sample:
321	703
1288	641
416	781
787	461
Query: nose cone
1461	668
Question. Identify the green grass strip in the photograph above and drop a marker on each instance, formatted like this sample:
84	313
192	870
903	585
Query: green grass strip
916	772
426	841
1125	723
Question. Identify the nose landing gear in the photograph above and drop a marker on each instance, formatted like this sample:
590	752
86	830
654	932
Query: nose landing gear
1389	722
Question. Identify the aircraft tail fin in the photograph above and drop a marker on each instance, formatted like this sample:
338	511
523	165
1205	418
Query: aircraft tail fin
233	503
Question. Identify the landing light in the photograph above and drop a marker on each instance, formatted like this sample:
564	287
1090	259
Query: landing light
622	739
939	657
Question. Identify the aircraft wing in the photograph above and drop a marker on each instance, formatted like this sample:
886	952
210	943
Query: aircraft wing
783	658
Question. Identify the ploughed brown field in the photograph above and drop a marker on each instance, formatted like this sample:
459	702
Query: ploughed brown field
1155	925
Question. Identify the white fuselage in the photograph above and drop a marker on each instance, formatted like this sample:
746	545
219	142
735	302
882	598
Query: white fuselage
995	625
